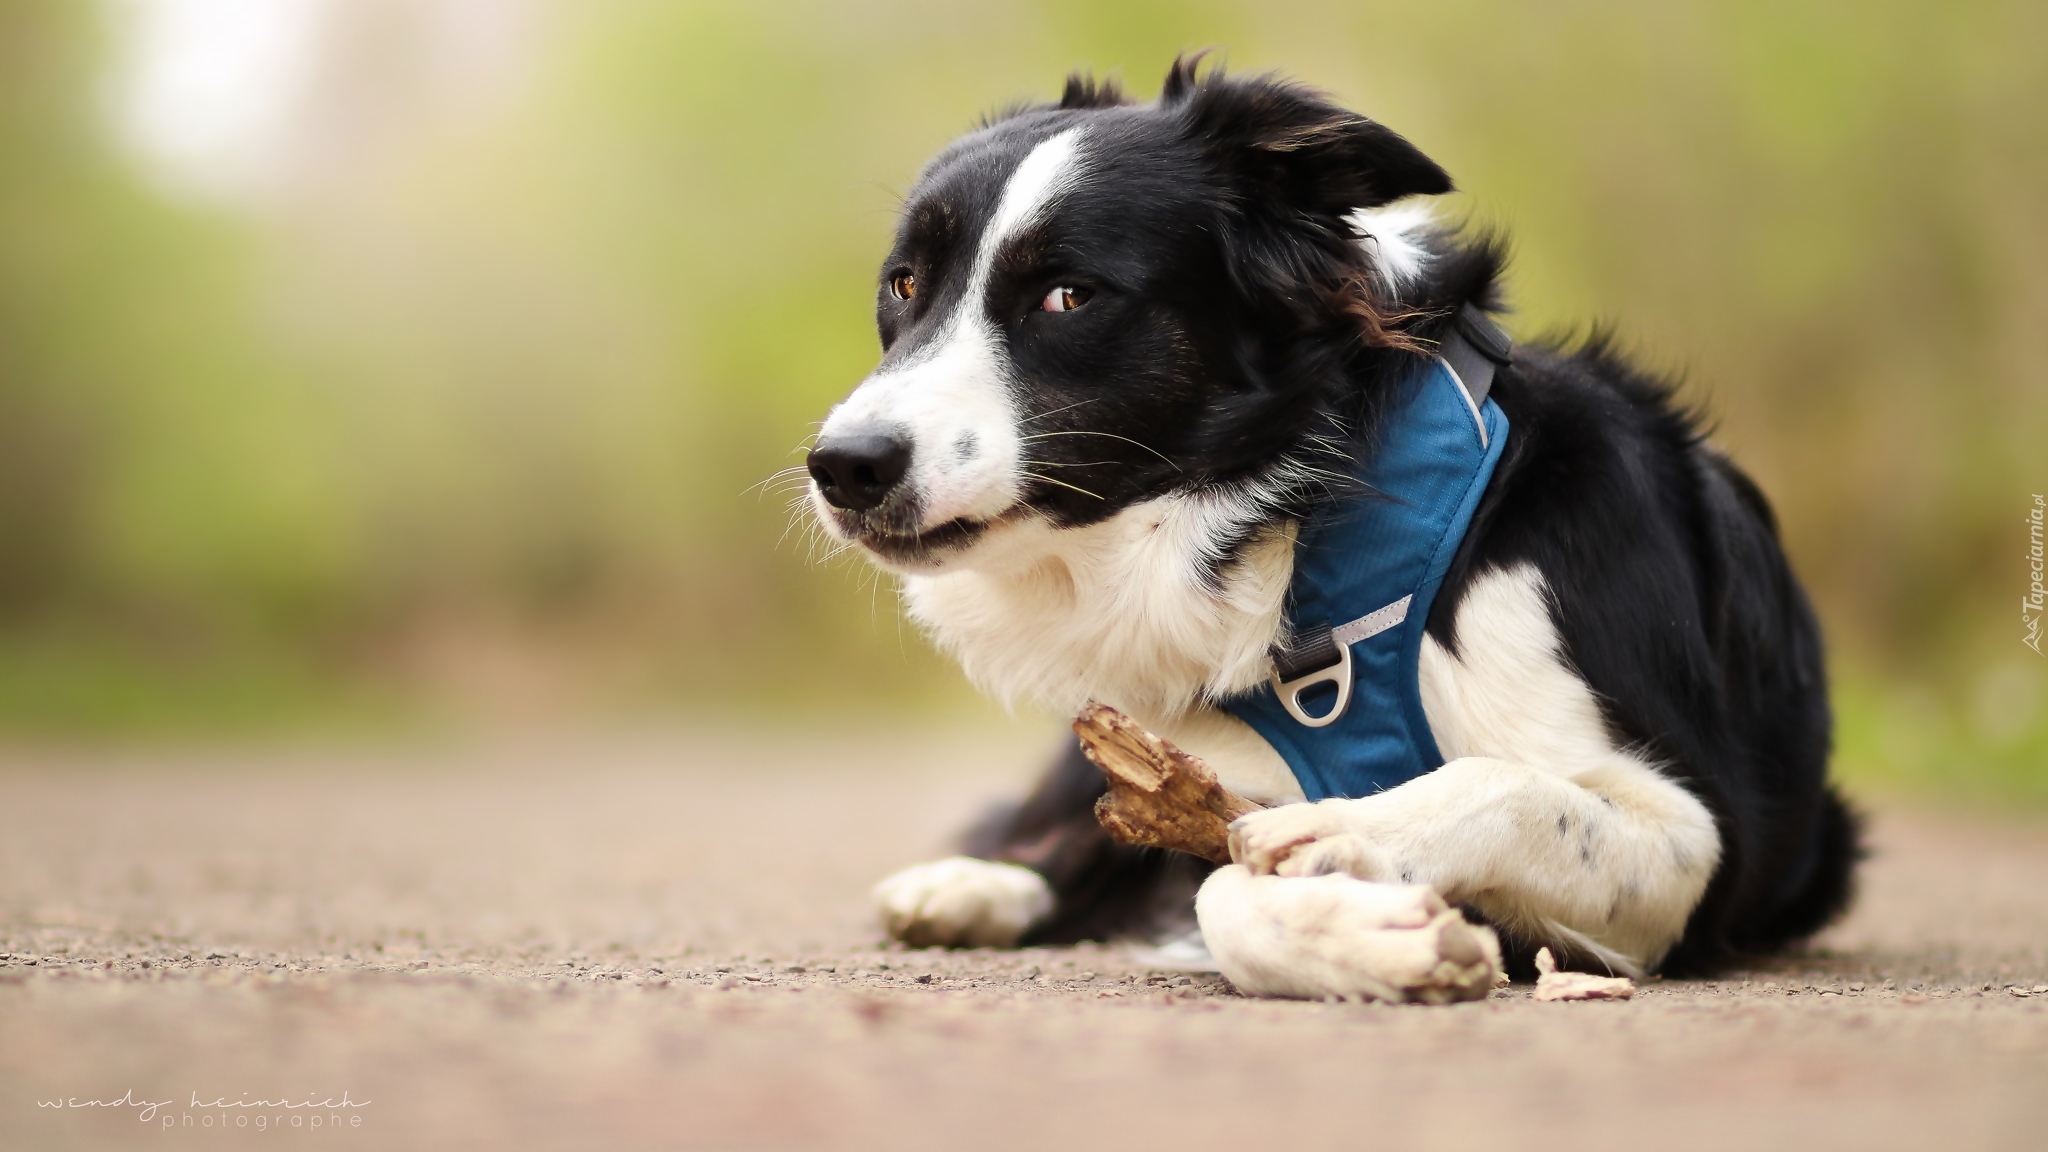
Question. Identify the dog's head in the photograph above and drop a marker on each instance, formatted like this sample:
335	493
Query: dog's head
1094	303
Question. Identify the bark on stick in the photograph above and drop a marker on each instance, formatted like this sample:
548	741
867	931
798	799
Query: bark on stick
1159	796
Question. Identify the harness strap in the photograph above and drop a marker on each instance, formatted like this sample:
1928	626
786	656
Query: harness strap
1473	349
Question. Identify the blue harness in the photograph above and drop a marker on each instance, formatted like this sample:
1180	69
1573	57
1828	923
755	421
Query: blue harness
1344	706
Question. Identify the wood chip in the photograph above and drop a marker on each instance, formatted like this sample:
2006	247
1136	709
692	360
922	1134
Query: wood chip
1554	985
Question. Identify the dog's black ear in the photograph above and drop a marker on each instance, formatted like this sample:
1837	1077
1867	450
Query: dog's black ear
1289	146
1085	91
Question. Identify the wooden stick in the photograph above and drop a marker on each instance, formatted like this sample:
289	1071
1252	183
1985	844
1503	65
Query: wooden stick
1159	796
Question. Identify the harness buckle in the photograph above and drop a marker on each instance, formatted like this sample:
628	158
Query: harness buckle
1325	658
1338	675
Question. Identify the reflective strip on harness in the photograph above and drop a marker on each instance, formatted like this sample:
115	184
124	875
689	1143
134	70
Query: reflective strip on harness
1373	623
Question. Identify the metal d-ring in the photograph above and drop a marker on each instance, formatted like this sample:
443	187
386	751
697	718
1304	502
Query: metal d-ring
1339	674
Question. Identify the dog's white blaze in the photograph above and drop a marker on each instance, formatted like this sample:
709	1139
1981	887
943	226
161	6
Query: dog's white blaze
1049	172
953	395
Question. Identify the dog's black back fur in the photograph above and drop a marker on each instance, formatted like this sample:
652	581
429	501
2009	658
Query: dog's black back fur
1669	588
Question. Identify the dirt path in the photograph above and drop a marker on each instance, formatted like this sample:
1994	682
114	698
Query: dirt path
665	944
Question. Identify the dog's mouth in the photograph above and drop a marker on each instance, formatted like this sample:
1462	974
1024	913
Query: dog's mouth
924	547
902	547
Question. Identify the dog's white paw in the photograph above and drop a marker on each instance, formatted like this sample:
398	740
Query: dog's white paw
1335	937
962	902
1310	840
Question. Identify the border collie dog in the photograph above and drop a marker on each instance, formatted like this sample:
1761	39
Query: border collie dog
1129	351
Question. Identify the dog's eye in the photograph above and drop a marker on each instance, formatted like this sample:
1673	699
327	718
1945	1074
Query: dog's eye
903	286
1064	299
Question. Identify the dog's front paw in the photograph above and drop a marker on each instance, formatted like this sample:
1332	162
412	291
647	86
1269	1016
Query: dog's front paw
1309	840
962	902
1332	937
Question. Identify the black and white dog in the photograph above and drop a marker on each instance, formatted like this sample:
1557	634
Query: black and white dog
1126	348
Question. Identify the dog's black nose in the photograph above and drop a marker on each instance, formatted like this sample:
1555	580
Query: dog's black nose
858	472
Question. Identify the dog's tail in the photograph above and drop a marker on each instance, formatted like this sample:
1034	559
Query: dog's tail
1835	846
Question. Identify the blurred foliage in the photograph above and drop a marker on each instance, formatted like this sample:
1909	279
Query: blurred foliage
1986	745
477	401
159	483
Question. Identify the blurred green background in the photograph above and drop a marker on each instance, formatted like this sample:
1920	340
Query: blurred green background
368	364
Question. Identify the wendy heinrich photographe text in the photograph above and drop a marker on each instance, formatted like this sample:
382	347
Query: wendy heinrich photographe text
314	1113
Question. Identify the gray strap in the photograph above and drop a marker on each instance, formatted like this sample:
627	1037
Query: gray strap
1475	347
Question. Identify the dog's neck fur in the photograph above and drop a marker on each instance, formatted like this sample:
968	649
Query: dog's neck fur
1138	610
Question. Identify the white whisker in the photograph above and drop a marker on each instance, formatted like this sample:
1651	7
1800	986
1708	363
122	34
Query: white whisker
1063	484
1108	436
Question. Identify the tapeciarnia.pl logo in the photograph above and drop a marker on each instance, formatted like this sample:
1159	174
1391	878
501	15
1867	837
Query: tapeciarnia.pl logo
2036	599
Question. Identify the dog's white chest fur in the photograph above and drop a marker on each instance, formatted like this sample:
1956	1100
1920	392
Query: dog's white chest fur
1125	611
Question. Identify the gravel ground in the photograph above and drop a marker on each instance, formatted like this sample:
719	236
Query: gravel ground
664	942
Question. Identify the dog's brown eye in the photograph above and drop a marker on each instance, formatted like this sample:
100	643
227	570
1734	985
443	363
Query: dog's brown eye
1064	299
903	286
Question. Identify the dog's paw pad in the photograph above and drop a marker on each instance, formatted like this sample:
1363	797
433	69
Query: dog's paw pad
962	902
